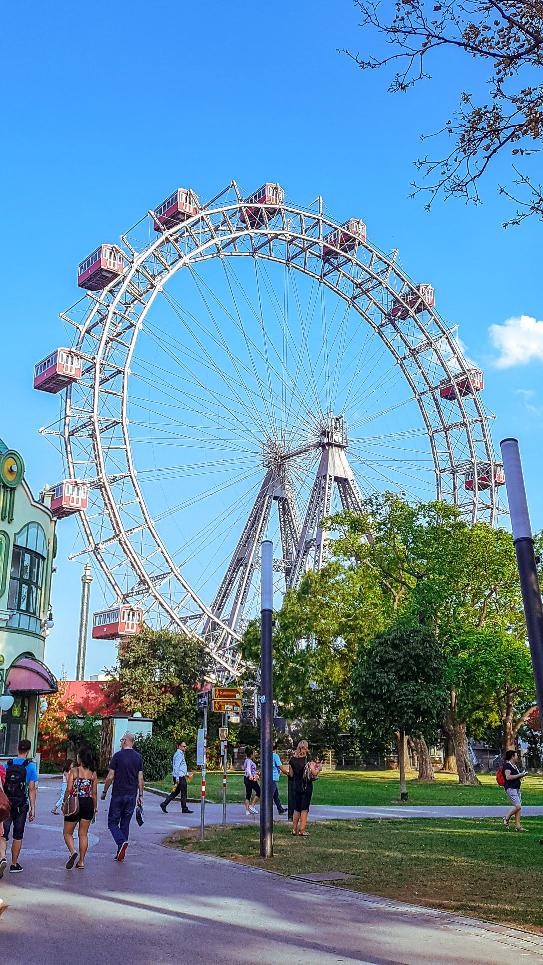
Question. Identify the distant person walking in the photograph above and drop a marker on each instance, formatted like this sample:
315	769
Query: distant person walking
81	792
277	769
303	771
20	784
179	774
65	771
250	775
126	775
513	776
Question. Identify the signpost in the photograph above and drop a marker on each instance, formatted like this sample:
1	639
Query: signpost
226	699
223	735
201	760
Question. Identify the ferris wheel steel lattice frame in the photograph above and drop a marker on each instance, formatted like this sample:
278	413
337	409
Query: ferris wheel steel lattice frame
95	432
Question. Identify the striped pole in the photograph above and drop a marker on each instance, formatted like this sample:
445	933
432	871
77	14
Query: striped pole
203	788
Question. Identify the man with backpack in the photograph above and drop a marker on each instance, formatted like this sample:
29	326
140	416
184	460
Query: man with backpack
20	787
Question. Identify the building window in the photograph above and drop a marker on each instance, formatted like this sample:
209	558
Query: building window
14	727
26	578
25	581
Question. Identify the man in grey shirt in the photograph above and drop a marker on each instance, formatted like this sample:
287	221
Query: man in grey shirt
179	774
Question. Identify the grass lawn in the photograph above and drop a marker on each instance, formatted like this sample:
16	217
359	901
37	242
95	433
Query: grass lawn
375	788
466	866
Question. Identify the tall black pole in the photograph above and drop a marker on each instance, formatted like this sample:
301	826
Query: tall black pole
524	548
266	701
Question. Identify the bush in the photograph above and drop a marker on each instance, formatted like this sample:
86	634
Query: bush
157	755
83	730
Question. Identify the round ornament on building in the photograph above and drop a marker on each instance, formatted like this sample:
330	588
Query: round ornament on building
12	468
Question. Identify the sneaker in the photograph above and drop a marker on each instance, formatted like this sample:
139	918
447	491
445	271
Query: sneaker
14	869
3	865
163	807
122	851
252	810
282	810
187	811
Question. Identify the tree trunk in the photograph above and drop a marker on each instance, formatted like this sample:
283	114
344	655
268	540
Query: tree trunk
466	773
426	770
508	736
449	759
402	756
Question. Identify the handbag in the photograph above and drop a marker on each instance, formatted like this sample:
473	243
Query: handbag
311	771
5	806
139	815
71	804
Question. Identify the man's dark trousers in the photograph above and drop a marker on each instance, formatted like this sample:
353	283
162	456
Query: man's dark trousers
181	789
121	809
276	798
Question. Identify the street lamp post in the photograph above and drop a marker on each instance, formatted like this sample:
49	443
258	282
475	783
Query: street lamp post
526	562
266	713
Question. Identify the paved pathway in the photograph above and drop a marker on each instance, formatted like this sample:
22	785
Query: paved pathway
162	907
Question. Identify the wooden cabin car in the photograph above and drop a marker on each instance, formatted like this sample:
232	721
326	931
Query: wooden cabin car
484	476
99	269
271	195
180	206
69	496
345	238
58	370
124	620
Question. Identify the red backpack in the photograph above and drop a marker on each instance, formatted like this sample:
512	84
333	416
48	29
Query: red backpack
500	776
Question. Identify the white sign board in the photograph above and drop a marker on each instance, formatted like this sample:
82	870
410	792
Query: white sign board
200	747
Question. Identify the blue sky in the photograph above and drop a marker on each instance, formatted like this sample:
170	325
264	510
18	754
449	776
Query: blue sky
105	118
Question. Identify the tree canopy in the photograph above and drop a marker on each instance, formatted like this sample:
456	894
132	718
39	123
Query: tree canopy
156	675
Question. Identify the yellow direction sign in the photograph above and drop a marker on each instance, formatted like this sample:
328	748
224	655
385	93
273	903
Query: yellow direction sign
227	693
225	706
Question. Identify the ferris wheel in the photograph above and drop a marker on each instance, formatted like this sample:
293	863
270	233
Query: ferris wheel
243	368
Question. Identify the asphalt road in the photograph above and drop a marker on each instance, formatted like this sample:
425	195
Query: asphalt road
162	906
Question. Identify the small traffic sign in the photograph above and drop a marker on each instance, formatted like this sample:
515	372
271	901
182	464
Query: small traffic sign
225	706
202	700
223	733
227	693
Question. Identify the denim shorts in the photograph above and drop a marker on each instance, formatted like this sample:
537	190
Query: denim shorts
17	819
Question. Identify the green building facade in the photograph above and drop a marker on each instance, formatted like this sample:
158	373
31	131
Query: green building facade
27	552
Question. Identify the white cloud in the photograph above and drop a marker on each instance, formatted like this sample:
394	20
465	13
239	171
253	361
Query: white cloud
518	340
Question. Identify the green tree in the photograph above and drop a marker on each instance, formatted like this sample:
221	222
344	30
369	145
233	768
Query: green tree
84	730
432	564
156	675
492	675
399	686
316	636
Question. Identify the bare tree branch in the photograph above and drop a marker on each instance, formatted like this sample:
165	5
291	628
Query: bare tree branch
505	116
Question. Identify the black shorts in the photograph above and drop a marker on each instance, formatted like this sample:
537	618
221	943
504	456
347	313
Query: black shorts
17	819
85	810
251	786
302	796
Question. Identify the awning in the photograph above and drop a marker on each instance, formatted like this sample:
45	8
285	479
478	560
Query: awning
30	676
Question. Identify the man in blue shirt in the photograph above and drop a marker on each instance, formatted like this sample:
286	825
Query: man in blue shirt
276	774
20	786
126	775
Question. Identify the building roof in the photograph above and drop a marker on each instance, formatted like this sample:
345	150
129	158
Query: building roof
91	697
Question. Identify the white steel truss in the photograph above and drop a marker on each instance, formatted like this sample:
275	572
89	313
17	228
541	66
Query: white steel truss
122	531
